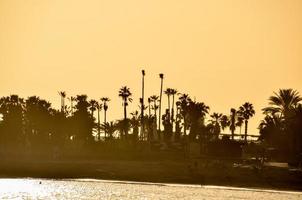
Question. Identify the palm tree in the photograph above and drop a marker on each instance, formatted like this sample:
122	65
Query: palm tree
283	102
173	93
224	122
62	95
110	128
240	121
92	106
142	102
184	101
135	123
149	106
105	101
161	76
233	122
246	111
168	93
125	94
99	108
215	121
71	99
154	99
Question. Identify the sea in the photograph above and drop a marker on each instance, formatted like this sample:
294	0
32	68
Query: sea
32	188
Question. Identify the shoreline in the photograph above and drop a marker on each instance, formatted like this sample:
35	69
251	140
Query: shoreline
155	172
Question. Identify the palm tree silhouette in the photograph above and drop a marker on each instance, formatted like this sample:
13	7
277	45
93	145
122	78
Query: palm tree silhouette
283	102
224	122
184	101
168	93
125	94
233	122
62	95
105	101
240	120
142	102
246	111
173	93
149	106
71	99
154	99
161	76
135	123
99	108
110	128
215	121
92	106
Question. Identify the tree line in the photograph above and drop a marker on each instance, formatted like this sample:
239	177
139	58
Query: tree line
33	122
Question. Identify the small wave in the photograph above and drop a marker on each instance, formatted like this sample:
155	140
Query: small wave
185	185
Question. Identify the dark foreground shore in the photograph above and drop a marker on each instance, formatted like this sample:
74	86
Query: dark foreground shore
185	171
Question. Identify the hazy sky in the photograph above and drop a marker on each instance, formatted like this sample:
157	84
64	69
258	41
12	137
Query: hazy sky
223	53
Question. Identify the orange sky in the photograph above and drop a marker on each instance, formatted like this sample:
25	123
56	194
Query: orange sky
221	52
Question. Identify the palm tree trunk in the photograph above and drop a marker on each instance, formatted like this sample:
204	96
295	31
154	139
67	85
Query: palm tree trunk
160	98
245	132
99	133
125	110
142	109
105	123
125	118
169	106
172	112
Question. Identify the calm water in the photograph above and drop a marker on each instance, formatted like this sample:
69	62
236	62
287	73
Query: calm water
97	189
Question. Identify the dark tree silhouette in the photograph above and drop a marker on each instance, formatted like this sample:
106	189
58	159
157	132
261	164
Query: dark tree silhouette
125	94
11	108
224	122
215	121
62	95
184	101
246	111
233	121
82	119
283	102
161	76
105	101
142	103
173	93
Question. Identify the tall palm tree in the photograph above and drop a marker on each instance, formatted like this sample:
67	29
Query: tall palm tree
246	111
240	120
168	93
142	102
283	102
125	94
233	122
99	108
173	93
105	101
62	95
161	76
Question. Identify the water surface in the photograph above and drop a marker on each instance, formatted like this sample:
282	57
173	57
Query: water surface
102	189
